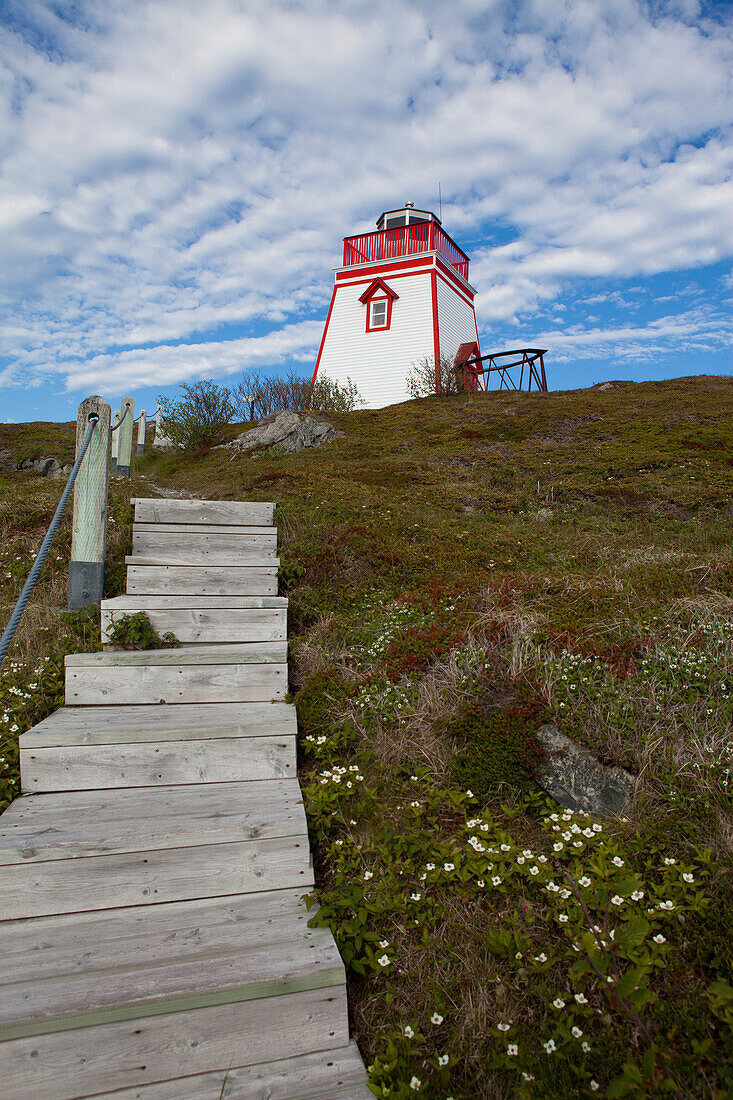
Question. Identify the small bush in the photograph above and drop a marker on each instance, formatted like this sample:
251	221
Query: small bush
257	396
500	743
196	420
137	632
426	378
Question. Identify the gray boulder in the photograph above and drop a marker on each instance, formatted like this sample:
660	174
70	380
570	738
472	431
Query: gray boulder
289	431
577	780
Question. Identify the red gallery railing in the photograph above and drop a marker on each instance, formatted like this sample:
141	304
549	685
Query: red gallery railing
405	240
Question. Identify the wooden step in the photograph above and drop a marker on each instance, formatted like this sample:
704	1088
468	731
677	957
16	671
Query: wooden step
88	850
232	529
222	512
245	672
87	1061
326	1075
203	623
204	549
137	724
74	751
59	983
200	580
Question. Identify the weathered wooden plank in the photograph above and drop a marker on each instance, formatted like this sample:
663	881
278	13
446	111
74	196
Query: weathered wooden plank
241	683
233	529
192	721
251	818
166	801
152	540
35	947
184	560
161	603
335	1075
145	987
254	653
201	580
64	1065
89	526
162	510
145	878
221	760
210	624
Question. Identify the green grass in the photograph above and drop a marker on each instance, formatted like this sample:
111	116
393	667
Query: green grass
460	570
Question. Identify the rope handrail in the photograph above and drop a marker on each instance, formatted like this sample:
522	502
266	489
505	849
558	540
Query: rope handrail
120	421
14	620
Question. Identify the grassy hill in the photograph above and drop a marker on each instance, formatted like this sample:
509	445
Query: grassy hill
460	571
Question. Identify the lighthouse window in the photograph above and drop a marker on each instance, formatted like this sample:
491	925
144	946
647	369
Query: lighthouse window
378	317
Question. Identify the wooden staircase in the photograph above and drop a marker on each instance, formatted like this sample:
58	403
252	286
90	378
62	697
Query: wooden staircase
153	941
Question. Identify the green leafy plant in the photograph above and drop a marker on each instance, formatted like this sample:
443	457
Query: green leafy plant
196	420
137	632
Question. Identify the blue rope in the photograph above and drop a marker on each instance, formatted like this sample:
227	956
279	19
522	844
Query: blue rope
30	584
117	425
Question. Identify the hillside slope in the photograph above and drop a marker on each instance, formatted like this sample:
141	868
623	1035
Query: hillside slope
460	571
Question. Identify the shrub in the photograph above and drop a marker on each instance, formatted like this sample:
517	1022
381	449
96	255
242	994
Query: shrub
257	396
137	632
196	420
426	378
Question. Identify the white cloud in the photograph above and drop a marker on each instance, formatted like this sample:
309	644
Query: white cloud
170	169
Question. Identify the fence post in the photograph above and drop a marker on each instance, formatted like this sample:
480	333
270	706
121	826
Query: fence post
124	447
115	443
89	530
141	434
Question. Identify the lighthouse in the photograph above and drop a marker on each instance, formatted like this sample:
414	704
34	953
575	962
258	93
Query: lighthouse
401	296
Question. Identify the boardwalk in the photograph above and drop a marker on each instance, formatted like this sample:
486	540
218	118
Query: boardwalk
153	941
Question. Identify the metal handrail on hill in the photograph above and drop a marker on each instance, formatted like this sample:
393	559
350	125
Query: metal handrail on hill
14	620
89	529
529	358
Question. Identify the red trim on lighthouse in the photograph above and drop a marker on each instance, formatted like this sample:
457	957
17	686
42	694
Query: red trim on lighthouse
323	338
436	333
371	290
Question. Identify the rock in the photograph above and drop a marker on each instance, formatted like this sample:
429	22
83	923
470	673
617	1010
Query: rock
573	776
289	431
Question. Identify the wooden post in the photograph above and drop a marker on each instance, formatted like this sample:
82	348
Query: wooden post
115	445
89	530
141	434
124	447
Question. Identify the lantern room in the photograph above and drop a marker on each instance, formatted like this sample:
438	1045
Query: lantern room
401	296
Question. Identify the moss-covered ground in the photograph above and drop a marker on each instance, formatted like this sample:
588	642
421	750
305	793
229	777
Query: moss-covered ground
460	571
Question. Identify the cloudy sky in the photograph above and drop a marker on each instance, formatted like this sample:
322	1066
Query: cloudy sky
176	178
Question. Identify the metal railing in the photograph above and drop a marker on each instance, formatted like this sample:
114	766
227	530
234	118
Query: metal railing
530	360
405	240
30	584
89	527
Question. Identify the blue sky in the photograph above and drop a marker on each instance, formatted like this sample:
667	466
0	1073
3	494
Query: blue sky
176	178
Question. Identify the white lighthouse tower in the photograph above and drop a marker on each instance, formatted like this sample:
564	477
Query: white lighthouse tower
401	295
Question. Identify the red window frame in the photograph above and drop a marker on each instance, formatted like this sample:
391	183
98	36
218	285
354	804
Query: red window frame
388	319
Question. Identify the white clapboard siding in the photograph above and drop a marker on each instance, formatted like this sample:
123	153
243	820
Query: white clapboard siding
199	580
232	512
67	1064
337	1076
72	726
204	624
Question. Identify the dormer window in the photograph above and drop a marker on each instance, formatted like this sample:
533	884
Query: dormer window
378	313
378	299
